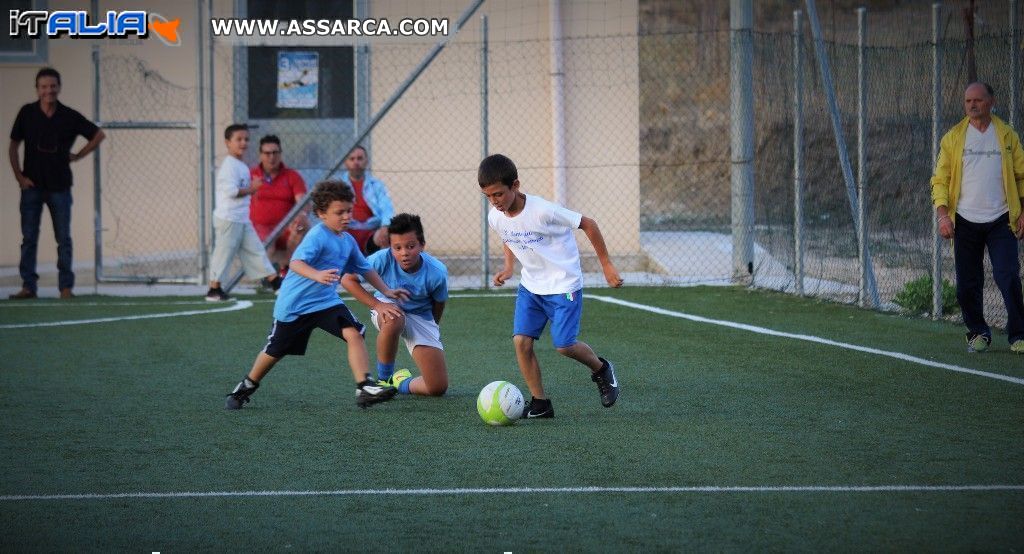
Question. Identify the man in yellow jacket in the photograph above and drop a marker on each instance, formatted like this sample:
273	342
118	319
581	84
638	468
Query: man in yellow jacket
977	191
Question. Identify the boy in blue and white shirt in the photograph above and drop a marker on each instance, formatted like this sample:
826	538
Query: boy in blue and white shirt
406	266
540	234
309	299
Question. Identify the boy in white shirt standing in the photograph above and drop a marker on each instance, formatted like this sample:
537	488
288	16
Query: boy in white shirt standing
540	234
233	231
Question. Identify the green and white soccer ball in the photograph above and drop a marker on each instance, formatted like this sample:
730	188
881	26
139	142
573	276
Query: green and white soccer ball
500	403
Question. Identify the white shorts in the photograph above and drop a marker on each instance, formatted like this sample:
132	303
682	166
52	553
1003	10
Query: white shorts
418	331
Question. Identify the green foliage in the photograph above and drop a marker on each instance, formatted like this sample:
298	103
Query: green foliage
916	296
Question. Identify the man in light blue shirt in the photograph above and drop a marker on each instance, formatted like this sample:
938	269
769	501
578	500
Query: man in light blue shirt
372	209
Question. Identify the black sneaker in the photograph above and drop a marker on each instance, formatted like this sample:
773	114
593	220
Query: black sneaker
271	285
607	384
371	392
241	394
537	408
217	295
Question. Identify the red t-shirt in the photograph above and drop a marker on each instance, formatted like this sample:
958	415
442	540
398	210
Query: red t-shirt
276	197
360	209
361	212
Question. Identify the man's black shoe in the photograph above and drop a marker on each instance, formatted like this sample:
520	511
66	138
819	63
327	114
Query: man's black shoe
241	394
537	408
607	383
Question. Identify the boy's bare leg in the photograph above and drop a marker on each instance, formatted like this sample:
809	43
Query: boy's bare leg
261	366
387	339
582	353
433	379
528	365
358	356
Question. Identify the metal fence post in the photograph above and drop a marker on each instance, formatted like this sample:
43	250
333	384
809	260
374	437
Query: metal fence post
936	122
484	149
798	154
204	123
741	84
97	185
1014	104
862	158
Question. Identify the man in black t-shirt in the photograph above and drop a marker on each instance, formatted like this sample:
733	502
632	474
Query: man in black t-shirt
48	129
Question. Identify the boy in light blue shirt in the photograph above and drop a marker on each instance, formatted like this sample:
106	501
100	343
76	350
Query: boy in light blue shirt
404	265
309	299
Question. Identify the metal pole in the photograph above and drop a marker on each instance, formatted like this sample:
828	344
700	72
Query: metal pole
741	85
1014	89
413	76
201	137
484	149
97	185
798	154
837	130
936	137
862	173
557	70
206	216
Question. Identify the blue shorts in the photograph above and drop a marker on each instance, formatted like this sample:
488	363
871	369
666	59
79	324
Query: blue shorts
564	311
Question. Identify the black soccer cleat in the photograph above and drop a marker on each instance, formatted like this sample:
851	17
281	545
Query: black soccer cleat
538	409
240	395
371	392
607	383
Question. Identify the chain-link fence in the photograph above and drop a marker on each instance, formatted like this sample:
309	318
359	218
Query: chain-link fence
897	62
148	209
626	118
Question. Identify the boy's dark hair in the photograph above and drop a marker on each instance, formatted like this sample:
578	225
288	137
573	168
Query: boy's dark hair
497	168
270	139
405	223
326	192
234	127
47	72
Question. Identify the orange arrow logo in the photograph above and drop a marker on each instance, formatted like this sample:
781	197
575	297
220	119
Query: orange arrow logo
167	30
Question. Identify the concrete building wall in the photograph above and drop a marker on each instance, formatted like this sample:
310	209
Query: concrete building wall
426	149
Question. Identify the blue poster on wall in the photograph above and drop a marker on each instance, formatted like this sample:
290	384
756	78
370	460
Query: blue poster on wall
298	79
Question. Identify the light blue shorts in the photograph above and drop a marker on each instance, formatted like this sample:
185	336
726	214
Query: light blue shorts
564	311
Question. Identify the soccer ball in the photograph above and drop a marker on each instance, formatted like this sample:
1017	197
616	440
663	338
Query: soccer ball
500	403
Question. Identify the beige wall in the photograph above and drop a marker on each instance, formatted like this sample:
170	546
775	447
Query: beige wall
427	148
142	170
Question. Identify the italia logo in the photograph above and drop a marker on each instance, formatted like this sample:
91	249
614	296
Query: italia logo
78	24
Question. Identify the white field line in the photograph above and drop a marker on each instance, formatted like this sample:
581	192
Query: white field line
65	304
235	306
809	338
529	490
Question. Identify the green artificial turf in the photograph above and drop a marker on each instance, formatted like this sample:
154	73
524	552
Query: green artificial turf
137	407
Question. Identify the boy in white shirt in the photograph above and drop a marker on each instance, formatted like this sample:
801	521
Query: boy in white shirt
540	234
234	234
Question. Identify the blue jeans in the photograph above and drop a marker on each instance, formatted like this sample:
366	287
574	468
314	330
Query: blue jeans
59	203
969	243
